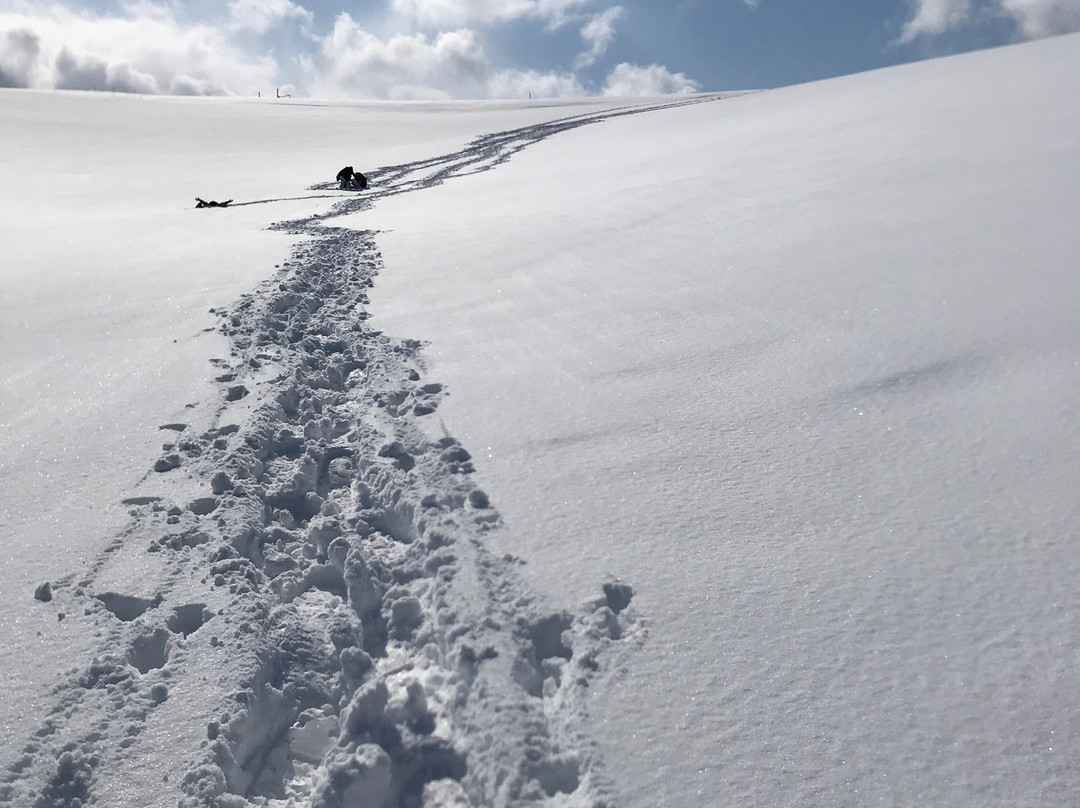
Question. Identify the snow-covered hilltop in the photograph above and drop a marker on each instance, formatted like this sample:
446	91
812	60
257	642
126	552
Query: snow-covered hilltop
710	451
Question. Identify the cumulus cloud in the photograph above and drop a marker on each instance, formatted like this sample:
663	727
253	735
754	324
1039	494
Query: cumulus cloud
262	15
150	53
1032	18
530	83
628	79
150	46
355	63
934	17
1039	18
20	55
486	12
598	33
92	73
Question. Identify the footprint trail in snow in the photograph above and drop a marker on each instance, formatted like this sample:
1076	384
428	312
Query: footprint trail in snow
327	605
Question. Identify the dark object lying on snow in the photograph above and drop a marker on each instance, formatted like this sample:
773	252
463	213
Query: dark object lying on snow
348	178
202	203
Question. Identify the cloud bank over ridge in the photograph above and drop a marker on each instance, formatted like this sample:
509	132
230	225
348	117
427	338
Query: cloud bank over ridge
151	53
469	49
415	49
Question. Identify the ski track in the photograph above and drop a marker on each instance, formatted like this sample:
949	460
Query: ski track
371	651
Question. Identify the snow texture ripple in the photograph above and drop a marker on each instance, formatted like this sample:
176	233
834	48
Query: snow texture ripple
332	581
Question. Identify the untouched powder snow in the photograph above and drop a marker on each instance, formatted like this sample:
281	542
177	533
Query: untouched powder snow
704	451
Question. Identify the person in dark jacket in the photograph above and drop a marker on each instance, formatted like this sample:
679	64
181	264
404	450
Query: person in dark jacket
348	178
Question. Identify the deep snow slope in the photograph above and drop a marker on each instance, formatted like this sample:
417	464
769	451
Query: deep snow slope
803	367
737	466
179	455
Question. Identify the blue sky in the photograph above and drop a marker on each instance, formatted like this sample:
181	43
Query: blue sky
490	48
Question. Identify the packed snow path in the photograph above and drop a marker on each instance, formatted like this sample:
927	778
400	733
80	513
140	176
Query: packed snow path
327	603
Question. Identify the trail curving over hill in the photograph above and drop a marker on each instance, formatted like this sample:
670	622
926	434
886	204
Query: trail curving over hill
331	584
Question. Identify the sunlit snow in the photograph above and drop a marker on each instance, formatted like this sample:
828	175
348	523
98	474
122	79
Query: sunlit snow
710	451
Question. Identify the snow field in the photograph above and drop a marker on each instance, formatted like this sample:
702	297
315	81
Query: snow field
107	282
801	366
306	589
779	389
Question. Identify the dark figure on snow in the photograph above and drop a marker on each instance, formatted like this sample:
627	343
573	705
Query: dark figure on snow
202	203
348	178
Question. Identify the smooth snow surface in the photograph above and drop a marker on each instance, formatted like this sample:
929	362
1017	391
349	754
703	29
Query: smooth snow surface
803	368
709	452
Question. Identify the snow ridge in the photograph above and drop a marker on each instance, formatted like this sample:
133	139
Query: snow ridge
370	650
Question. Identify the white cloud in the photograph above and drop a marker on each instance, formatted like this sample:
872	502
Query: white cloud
1033	18
262	15
93	73
355	63
151	47
20	57
934	17
628	79
149	9
598	32
486	12
556	12
152	53
529	83
1039	18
